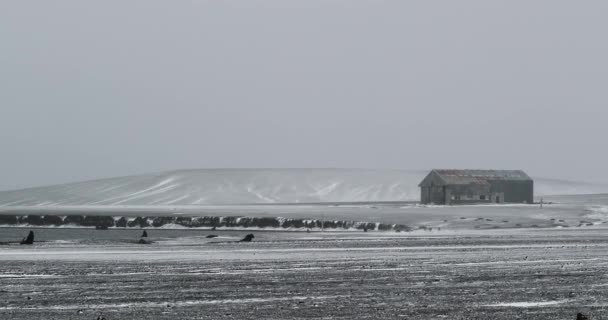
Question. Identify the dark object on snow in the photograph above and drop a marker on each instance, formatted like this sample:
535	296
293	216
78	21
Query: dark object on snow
29	239
144	234
144	241
101	227
364	229
211	236
247	238
580	316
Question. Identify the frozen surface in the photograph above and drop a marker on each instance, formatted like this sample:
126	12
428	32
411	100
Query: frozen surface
483	274
247	186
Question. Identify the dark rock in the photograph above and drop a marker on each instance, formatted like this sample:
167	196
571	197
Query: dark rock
340	224
242	222
209	221
310	224
266	222
402	227
197	222
330	225
185	221
141	222
211	236
384	227
98	221
248	238
77	220
580	316
50	220
121	223
161	221
293	223
10	220
231	222
29	239
317	224
33	220
368	226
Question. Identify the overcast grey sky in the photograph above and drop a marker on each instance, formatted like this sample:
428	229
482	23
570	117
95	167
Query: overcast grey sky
93	89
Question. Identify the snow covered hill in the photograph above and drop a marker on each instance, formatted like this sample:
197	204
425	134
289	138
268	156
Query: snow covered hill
248	186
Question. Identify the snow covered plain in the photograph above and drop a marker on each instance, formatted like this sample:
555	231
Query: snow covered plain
461	262
474	274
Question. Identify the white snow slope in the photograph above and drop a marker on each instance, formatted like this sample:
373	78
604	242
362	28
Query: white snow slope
250	186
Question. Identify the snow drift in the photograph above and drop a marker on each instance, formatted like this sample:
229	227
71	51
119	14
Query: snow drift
249	186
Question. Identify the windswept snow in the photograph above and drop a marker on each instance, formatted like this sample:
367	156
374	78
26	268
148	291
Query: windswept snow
527	304
479	274
250	186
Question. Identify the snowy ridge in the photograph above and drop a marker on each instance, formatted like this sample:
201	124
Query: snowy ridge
249	186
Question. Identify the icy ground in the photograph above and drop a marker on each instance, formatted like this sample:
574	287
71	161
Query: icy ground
470	274
460	262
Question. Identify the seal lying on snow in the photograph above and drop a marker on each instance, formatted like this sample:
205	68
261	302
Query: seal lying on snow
29	239
247	238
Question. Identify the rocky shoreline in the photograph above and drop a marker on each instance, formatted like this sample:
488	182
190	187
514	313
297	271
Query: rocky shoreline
103	222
